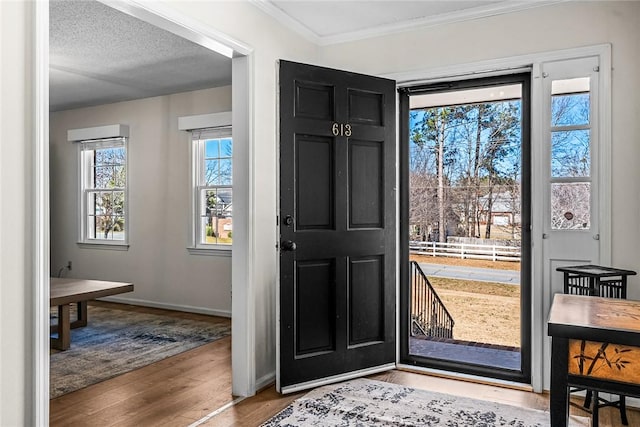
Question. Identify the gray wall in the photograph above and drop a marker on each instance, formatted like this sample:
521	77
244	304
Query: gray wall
164	274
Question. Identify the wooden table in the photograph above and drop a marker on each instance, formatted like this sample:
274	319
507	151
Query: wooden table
596	280
64	292
595	344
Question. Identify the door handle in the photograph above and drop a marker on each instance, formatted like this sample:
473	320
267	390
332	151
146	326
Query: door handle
288	246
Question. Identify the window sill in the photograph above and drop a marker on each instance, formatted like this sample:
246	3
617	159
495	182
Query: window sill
105	246
216	251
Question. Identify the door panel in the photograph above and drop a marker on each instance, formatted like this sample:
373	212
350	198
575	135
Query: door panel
337	224
365	107
315	294
366	297
314	101
315	187
366	191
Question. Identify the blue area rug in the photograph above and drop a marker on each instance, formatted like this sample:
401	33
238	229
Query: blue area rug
364	402
118	341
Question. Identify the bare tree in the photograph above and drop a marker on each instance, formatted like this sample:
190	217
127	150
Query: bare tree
475	148
570	206
109	175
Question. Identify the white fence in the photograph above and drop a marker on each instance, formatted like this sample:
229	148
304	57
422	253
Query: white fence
466	250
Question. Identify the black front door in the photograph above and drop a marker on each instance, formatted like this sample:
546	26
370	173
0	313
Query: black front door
337	225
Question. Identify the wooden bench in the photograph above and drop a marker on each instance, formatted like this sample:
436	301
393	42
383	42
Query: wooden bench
64	292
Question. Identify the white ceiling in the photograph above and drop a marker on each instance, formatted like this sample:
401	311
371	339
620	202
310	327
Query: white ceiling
328	22
99	55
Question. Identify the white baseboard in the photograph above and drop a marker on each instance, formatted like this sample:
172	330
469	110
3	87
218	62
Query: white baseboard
265	381
166	306
631	402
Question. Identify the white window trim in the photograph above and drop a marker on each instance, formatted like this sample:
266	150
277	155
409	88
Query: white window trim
89	135
212	122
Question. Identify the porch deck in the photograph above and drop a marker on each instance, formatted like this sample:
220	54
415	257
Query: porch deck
466	351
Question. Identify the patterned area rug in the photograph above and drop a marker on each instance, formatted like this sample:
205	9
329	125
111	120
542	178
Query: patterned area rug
364	402
118	341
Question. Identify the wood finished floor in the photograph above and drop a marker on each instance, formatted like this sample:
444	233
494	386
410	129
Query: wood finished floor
183	389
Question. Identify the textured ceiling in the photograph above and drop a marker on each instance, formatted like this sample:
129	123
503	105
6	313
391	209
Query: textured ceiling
99	55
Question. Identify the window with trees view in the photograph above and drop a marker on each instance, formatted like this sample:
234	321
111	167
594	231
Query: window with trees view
465	164
570	154
103	168
213	187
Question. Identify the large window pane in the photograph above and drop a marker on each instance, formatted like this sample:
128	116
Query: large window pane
103	164
570	110
570	154
216	215
211	172
571	206
110	156
211	148
106	227
212	162
226	148
225	172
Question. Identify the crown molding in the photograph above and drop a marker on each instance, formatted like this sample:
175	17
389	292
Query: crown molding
402	26
267	7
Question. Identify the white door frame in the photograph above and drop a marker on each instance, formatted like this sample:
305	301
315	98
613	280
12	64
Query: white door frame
533	62
242	319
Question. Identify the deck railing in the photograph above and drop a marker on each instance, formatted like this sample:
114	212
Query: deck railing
429	316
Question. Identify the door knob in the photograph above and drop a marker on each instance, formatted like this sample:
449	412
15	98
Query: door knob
288	246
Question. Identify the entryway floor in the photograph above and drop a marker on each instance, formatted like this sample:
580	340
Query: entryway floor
467	352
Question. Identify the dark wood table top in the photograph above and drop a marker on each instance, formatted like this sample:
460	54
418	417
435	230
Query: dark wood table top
66	291
595	318
596	271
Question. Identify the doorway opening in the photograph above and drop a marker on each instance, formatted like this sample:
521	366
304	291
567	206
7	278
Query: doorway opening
465	233
180	25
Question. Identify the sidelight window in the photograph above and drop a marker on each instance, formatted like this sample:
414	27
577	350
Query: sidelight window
571	154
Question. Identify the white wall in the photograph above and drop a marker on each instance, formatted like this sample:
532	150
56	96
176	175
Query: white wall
157	262
16	249
544	29
270	42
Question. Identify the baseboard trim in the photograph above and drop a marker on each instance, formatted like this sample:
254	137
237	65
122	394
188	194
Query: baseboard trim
166	306
266	381
631	402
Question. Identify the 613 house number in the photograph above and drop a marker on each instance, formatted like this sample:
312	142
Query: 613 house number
341	129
